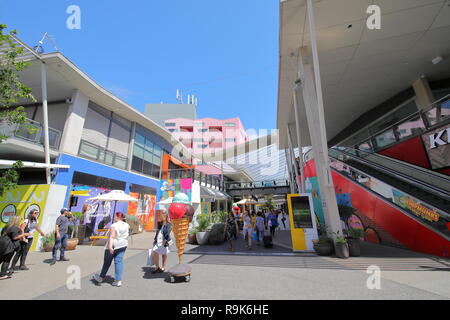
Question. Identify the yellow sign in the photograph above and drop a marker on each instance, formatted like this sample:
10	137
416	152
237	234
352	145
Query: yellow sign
20	201
300	217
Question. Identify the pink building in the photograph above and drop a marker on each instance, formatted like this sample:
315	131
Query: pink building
207	134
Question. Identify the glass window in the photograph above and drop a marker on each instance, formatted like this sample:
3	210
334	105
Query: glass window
365	146
138	151
394	117
172	130
202	130
148	156
410	128
229	124
147	168
157	150
170	124
120	162
155	171
202	146
156	160
148	145
139	139
136	164
386	138
109	158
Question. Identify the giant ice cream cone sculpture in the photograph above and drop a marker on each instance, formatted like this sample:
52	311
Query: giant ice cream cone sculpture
180	213
180	230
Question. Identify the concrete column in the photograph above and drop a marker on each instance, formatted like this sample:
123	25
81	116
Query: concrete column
320	151
299	143
424	95
131	146
293	161
289	166
73	128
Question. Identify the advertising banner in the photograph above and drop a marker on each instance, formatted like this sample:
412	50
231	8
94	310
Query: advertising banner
144	209
415	206
437	145
170	187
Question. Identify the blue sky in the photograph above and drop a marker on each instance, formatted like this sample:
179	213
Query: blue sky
223	51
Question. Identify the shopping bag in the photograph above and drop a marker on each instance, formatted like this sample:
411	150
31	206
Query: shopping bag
255	235
150	261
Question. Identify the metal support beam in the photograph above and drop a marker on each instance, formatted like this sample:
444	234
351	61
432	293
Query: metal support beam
297	181
313	99
45	121
299	143
289	166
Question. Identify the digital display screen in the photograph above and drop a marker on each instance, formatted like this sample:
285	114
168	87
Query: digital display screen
301	212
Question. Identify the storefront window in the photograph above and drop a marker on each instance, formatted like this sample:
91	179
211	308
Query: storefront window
385	139
146	156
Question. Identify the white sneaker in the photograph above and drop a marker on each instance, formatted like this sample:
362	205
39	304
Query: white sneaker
117	283
97	278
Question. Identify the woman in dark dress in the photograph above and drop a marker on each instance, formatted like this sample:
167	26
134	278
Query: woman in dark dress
231	229
13	231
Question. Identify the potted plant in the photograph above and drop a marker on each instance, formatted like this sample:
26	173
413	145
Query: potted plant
354	241
72	242
192	239
48	241
341	247
81	228
323	246
203	225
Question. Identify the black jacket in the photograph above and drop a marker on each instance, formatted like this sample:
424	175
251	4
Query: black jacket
165	232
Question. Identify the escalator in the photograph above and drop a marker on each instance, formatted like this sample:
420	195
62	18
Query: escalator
405	204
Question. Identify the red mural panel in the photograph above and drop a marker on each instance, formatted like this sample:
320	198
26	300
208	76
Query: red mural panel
411	151
406	230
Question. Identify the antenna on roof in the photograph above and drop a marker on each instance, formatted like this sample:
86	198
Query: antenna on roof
179	97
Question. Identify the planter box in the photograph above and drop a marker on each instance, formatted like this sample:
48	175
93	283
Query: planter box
192	239
354	247
324	249
342	250
48	248
202	237
71	244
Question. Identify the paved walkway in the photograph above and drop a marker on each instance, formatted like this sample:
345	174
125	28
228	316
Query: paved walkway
218	274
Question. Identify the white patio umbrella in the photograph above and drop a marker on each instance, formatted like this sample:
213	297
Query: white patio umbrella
116	196
247	201
166	201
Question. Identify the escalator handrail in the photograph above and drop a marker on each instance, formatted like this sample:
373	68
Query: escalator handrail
428	172
417	183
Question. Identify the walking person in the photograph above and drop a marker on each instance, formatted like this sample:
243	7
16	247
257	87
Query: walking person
115	249
61	236
248	230
283	219
231	229
161	244
29	226
273	222
259	227
13	232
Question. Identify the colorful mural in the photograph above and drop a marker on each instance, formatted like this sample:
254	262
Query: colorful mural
169	188
96	214
144	209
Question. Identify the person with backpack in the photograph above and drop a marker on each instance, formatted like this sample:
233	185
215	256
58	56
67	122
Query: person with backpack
29	225
10	239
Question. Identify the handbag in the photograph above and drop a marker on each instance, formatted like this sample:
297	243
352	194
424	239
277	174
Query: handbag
150	261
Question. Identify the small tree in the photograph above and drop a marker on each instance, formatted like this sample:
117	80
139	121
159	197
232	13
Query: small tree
12	92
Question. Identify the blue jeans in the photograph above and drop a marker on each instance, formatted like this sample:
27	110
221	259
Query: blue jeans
60	242
118	263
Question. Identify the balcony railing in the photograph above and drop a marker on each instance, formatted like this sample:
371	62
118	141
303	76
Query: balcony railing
100	154
32	132
257	184
413	125
208	180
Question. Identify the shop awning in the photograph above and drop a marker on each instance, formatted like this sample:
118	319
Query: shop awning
206	192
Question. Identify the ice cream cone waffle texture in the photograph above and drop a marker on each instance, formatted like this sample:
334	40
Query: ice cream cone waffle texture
180	230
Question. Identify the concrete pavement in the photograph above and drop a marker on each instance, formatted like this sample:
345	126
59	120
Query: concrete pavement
220	274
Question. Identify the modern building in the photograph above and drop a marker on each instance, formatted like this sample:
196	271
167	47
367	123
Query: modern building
379	99
97	143
161	112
